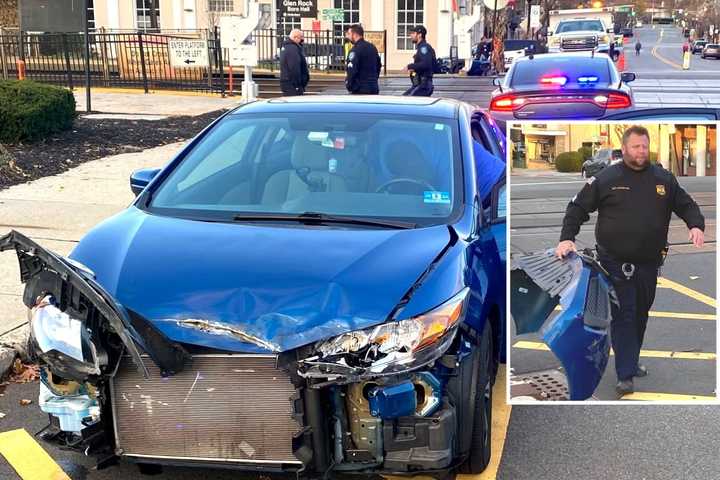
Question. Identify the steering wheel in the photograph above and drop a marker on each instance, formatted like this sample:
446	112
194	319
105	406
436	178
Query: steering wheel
383	188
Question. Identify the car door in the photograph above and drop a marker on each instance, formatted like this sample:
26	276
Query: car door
569	302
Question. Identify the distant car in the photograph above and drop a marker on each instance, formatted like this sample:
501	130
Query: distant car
627	32
711	50
638	24
580	34
561	86
686	33
518	48
698	45
602	158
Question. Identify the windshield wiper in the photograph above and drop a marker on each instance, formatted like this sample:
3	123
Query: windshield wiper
316	217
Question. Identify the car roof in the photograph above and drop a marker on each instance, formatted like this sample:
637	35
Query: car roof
550	56
394	105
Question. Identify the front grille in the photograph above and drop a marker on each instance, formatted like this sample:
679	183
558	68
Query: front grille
224	408
578	43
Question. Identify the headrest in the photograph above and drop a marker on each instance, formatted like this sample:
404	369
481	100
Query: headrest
307	154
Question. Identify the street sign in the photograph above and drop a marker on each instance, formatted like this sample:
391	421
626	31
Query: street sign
495	4
234	34
535	16
289	9
243	56
377	39
333	14
187	53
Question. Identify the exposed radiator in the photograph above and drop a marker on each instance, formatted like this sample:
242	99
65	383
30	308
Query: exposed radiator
225	408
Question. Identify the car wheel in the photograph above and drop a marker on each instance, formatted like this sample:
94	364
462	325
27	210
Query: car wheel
479	454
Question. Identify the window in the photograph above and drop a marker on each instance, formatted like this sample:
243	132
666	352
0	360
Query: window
286	24
143	12
91	14
351	16
409	14
221	5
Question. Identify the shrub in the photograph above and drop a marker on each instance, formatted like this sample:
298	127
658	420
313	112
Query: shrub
30	111
585	152
569	162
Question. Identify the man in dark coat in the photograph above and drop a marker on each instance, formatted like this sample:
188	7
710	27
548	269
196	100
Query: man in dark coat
294	73
423	66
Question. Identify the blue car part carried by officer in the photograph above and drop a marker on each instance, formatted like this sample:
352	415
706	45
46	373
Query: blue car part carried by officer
579	334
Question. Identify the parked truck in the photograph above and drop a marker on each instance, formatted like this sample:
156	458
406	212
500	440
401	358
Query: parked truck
582	29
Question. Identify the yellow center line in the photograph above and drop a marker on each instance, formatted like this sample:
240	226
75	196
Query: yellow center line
28	458
654	396
527	345
500	421
681	315
700	297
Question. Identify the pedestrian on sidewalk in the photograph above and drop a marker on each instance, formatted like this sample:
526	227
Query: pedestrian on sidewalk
363	64
294	73
634	199
638	47
423	66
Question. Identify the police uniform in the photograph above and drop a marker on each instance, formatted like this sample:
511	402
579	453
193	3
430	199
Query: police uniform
634	209
294	73
363	69
423	68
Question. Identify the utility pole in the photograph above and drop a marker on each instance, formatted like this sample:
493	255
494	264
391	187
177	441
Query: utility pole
87	56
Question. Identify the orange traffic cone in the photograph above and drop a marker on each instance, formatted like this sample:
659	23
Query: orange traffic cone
621	62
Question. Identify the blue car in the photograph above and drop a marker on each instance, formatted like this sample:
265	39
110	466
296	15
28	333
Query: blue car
311	285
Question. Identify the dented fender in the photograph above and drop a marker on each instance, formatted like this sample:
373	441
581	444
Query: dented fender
76	281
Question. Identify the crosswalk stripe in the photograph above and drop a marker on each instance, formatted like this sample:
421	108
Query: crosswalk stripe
28	458
527	345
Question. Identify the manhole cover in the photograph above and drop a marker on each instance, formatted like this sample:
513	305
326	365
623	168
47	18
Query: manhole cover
545	385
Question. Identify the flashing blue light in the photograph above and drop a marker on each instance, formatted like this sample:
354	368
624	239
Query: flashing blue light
588	79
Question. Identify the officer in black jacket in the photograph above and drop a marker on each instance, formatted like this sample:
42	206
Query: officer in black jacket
363	64
294	73
423	66
634	200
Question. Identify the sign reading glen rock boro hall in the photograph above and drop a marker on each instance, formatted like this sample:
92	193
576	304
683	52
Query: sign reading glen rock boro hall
297	8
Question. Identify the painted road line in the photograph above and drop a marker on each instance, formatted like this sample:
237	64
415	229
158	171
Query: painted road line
527	345
500	421
665	60
653	396
679	315
700	297
28	458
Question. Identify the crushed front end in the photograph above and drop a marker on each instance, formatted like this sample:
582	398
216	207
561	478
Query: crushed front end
393	398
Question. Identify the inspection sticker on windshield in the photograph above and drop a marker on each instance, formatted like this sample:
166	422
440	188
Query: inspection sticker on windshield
436	197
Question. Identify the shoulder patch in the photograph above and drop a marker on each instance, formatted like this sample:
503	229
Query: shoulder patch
351	56
424	50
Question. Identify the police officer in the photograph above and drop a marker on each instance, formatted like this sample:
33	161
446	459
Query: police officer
423	66
294	73
363	64
634	200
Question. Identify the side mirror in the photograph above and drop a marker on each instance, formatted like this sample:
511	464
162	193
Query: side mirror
610	30
139	179
549	34
627	77
497	81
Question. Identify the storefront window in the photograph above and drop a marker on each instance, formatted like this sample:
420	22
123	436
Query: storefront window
409	14
143	12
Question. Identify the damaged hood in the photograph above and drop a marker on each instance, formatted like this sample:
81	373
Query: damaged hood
254	288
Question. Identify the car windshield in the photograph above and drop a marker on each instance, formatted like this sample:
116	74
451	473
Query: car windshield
359	165
580	25
712	45
592	70
511	45
603	155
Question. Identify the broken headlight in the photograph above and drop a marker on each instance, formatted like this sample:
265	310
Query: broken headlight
397	342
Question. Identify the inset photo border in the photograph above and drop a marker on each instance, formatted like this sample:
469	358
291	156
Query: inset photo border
588	205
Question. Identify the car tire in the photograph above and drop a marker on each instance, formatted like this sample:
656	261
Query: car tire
480	446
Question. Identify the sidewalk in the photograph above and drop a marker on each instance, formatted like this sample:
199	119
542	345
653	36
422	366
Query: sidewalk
56	212
151	106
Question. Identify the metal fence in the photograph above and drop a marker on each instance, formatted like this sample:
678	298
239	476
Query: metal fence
142	59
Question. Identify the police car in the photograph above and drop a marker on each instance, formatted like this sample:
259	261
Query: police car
561	86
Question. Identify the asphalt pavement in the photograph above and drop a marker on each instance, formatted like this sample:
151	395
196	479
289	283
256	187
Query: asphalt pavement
680	343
